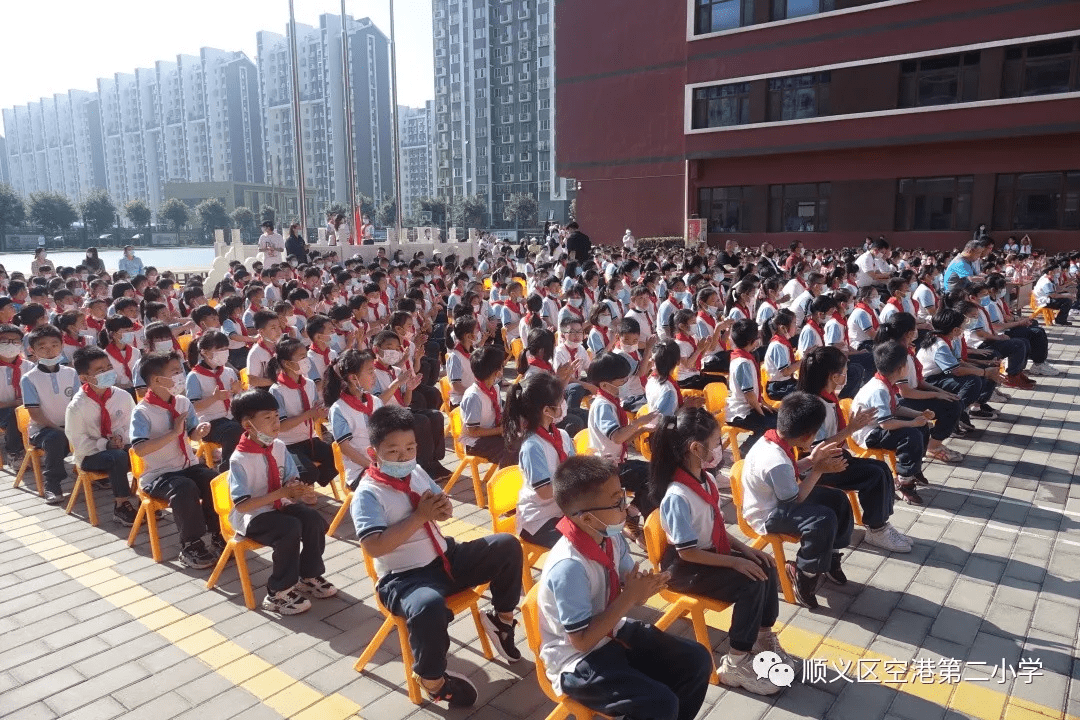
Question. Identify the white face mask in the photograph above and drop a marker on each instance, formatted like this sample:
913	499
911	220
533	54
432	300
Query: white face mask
573	345
477	338
603	320
217	358
715	459
391	357
9	350
163	346
560	413
303	366
178	384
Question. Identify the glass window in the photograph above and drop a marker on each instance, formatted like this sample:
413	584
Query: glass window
1038	201
721	105
716	15
784	9
799	208
942	203
725	208
799	96
939	80
1041	69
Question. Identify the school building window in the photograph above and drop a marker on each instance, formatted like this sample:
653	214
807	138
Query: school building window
727	209
939	80
716	15
784	9
799	96
940	203
721	105
1042	68
1038	201
799	208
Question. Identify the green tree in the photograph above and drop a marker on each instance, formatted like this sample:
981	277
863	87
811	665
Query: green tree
367	205
175	212
244	219
521	210
336	209
386	212
439	208
52	212
268	214
469	211
138	213
12	208
98	211
212	215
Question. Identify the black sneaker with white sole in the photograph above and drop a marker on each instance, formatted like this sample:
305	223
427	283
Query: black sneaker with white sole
805	586
502	634
836	573
286	602
54	498
195	556
456	691
124	514
218	544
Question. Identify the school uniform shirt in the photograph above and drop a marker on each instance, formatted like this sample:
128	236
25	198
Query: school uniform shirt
661	396
980	324
643	320
149	422
598	340
290	405
809	338
742	378
768	479
703	326
125	365
793	289
927	300
257	358
667	311
8	385
537	460
835	332
603	421
874	395
572	314
1042	290
249	317
458	369
565	355
867	263
233	327
351	426
549	311
937	359
686	349
632	387
830	426
860	327
82	422
510	317
801	306
320	361
765	312
50	391
686	518
199	387
477	410
574	590
376	506
777	357
249	478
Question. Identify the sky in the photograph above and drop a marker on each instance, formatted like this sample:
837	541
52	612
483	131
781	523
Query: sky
61	45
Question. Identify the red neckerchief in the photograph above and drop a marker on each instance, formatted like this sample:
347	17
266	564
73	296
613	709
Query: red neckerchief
492	394
740	353
816	328
254	307
896	303
201	369
771	304
1004	308
324	354
707	318
529	317
603	333
787	344
604	554
273	475
74	342
591	294
360	405
151	398
841	423
890	388
389	370
402	486
270	350
541	364
513	305
240	324
554	439
708	492
674	301
693	346
94	323
623	421
123	358
869	311
774	437
384	298
305	402
843	325
572	352
674	384
575	311
16	374
644	316
918	365
743	310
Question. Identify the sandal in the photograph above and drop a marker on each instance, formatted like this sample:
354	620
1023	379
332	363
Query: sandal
945	455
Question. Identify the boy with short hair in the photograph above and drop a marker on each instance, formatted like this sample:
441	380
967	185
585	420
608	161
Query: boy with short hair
745	408
264	483
632	394
97	422
481	406
592	652
783	496
161	425
46	390
395	510
270	331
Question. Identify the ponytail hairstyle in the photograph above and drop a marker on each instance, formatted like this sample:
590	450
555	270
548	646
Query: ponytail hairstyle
818	366
227	307
944	321
743	287
541	345
115	324
895	328
208	342
525	403
782	318
463	326
30	315
350	362
283	352
665	357
66	320
535	303
679	317
671	444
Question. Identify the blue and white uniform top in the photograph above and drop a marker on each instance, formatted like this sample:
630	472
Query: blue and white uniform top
603	421
199	386
249	477
51	391
458	369
349	425
938	358
291	404
149	422
477	411
376	506
686	518
661	396
537	460
743	377
768	479
874	395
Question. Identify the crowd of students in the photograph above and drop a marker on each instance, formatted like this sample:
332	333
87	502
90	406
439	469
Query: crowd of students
285	360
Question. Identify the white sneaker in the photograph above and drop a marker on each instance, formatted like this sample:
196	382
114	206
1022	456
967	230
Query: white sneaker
887	538
286	602
1046	369
768	642
740	673
999	396
1053	368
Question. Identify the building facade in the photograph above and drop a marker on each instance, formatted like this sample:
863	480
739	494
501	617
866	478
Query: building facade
417	160
322	108
824	120
495	104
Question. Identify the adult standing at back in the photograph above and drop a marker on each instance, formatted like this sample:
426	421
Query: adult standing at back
129	263
578	243
295	245
39	261
271	244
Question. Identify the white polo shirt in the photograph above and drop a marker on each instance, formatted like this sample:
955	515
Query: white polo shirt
291	405
249	477
768	479
603	421
149	422
351	426
874	395
458	369
7	375
82	422
538	459
50	391
199	387
477	411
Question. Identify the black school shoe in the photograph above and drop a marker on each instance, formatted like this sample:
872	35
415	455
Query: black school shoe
805	586
502	634
124	514
456	691
836	573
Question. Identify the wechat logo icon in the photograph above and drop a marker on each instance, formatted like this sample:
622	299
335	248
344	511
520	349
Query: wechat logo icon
767	665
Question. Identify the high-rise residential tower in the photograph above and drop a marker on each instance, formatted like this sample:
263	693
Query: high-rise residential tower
417	159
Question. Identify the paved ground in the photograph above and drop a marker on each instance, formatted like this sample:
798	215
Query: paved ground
980	620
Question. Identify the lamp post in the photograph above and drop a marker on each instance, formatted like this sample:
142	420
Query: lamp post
297	134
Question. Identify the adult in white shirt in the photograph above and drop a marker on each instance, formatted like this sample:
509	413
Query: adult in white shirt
628	240
271	244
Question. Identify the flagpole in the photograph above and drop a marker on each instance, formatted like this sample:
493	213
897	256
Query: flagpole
297	134
350	150
396	129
